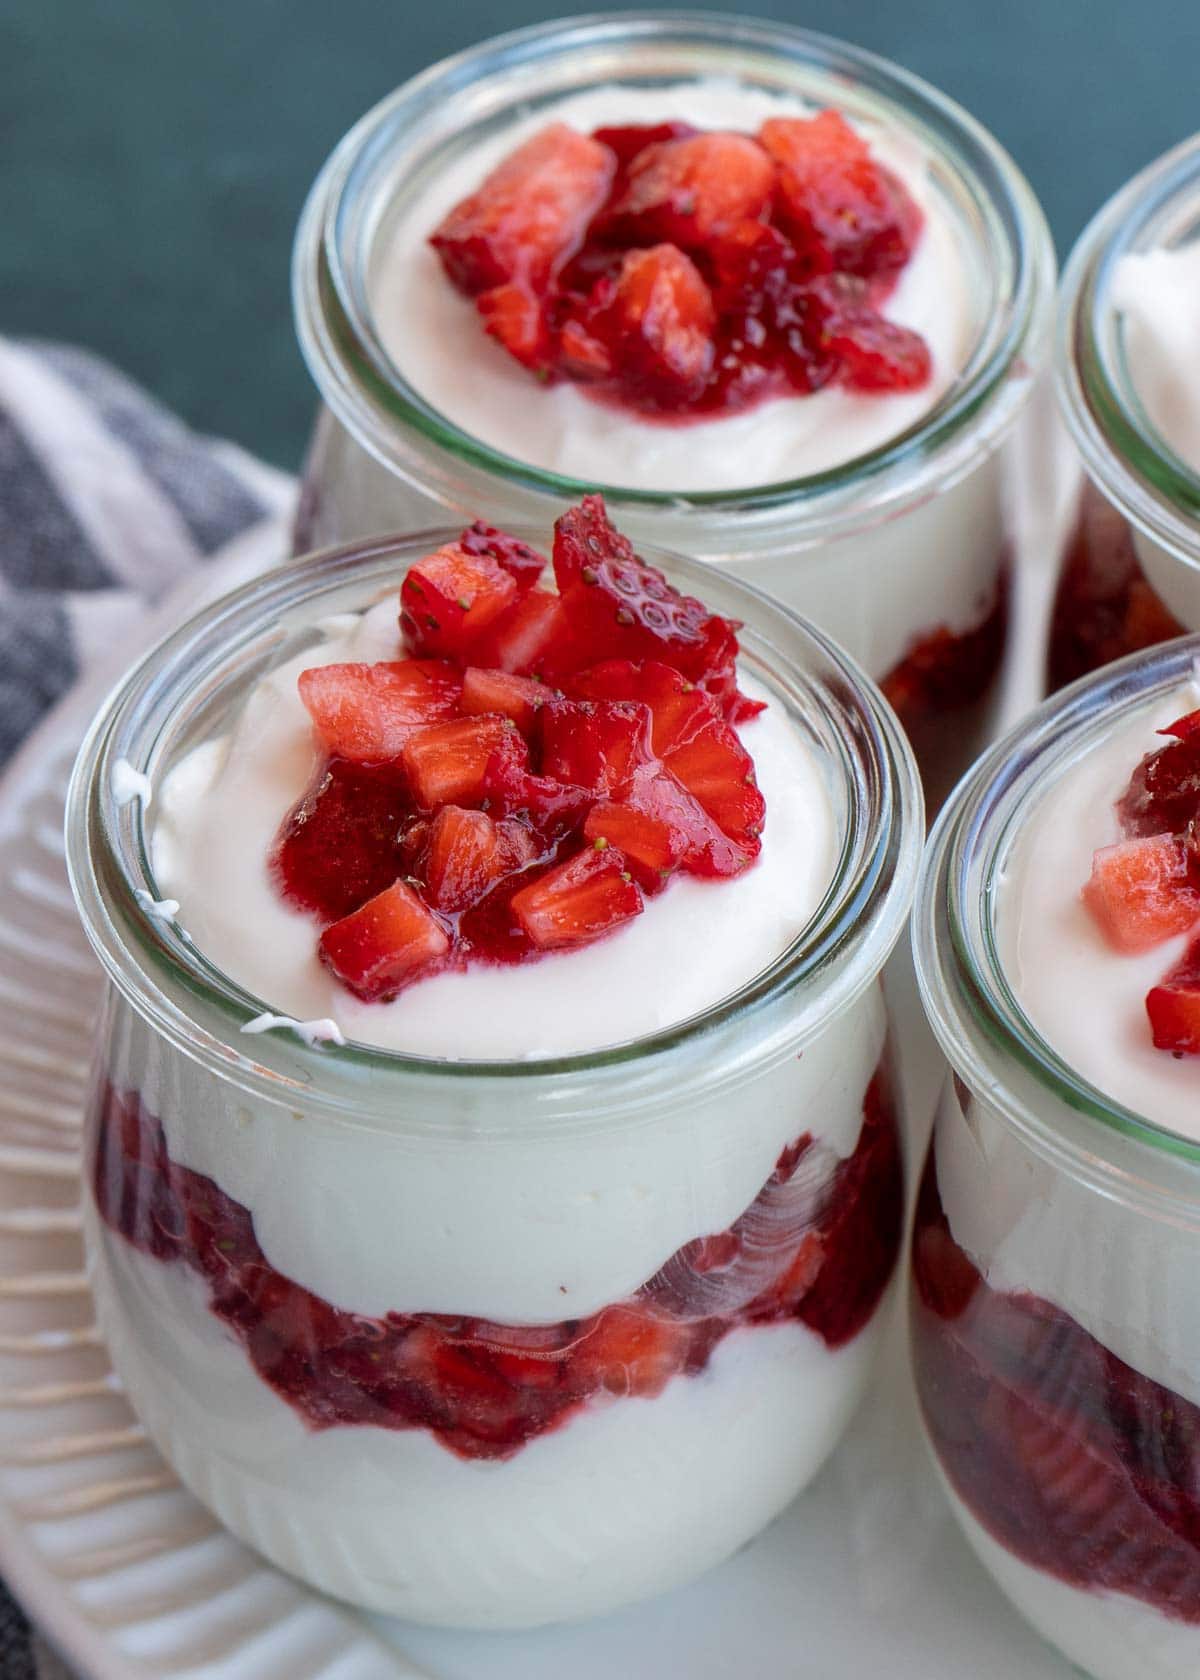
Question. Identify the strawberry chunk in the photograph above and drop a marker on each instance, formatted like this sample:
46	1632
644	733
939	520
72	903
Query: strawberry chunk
1140	892
366	712
690	192
629	1352
383	945
657	324
515	317
463	858
846	211
520	561
629	141
704	848
447	763
578	901
1163	795
530	214
652	847
339	845
1184	728
595	744
447	598
871	352
1174	1006
518	698
531	637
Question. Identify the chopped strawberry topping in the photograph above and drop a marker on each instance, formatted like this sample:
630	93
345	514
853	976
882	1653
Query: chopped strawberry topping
1183	728
875	354
447	763
1163	795
367	712
448	598
578	901
595	744
520	561
384	944
463	858
518	698
691	192
1141	892
528	639
627	142
652	847
339	845
515	318
530	214
1174	1006
655	322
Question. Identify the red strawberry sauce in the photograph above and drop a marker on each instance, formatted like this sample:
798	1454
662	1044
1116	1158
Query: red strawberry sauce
484	1389
1074	1461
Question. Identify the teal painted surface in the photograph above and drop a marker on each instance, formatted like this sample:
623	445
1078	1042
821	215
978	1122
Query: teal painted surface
154	153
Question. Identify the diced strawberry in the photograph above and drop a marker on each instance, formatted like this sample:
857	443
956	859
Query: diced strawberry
651	846
501	691
530	214
550	807
531	637
447	763
1163	795
1141	893
661	687
1184	728
520	561
1174	1006
516	846
841	207
690	192
658	323
627	142
449	597
367	712
387	942
339	845
632	1352
595	744
515	317
461	858
872	353
704	848
578	901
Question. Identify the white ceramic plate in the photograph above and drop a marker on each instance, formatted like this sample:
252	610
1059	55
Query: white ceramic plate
130	1576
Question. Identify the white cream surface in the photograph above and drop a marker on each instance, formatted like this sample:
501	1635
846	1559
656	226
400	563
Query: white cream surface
1157	293
433	335
219	810
1085	998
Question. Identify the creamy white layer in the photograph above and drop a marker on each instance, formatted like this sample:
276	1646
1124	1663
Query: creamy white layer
1109	1635
1086	999
434	337
626	1500
1157	293
220	808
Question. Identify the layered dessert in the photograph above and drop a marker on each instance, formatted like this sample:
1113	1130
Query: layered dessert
534	1335
1056	1327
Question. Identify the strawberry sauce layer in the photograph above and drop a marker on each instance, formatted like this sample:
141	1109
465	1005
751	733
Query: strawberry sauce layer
538	767
816	1247
687	274
1104	608
949	670
1070	1458
1145	889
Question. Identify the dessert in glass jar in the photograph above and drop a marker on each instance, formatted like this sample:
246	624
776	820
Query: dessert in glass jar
1056	1252
1129	385
779	300
494	1173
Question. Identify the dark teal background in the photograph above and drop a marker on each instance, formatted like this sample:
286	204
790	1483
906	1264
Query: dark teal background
154	153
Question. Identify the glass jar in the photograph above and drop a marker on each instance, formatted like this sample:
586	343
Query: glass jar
900	554
1131	572
1056	1252
491	1343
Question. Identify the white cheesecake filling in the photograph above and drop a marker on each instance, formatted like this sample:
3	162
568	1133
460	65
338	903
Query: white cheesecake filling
219	810
434	336
1157	294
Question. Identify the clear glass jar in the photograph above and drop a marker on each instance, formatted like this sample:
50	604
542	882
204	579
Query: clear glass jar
1131	572
900	554
1056	1257
492	1343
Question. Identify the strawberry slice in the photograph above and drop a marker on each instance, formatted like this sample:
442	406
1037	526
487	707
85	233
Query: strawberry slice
578	901
704	848
338	846
515	317
520	561
366	712
447	763
595	744
657	323
690	192
530	214
387	942
844	210
1141	892
518	698
447	598
652	846
532	637
462	858
1174	1006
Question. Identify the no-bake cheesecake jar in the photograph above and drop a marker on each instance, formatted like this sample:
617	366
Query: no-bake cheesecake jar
881	516
560	1310
1056	1253
1128	374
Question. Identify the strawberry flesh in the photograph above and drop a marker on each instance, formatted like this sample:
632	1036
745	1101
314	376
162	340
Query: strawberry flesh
691	192
340	844
448	598
578	901
595	744
654	325
1141	892
524	564
1174	1006
365	713
385	944
447	763
518	698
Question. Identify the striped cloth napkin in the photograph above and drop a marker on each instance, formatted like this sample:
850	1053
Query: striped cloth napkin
106	503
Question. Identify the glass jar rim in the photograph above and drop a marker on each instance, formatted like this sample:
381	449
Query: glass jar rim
969	1000
1124	452
371	399
169	982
